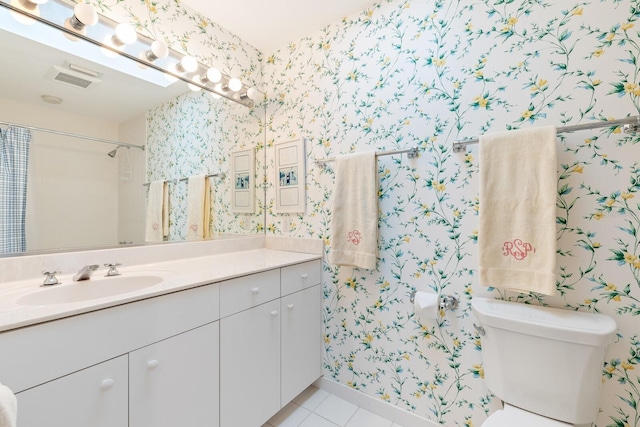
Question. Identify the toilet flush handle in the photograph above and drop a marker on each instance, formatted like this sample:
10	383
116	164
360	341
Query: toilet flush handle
480	329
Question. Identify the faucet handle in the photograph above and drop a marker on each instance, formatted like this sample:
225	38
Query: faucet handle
113	270
50	278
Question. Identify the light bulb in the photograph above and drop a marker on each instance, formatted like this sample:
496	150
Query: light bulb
26	6
125	34
235	84
31	5
195	88
252	93
213	75
159	50
84	15
187	64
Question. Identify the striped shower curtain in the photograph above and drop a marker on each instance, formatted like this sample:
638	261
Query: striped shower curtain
14	160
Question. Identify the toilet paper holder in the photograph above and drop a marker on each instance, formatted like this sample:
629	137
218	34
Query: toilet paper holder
446	302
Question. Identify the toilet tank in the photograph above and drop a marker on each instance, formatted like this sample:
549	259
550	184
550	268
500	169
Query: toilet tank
544	360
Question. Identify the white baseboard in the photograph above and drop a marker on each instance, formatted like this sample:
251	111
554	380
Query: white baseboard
371	404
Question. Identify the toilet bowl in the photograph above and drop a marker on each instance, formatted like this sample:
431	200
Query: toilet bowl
511	416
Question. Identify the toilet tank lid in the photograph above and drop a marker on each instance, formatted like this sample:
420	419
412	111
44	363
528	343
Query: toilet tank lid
553	323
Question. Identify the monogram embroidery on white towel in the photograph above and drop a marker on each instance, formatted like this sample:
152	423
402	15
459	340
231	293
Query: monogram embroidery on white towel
354	237
517	249
155	226
194	228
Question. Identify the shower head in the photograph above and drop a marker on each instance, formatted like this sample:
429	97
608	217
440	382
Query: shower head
112	153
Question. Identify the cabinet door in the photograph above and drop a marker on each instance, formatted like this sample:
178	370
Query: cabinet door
301	341
175	382
250	366
96	397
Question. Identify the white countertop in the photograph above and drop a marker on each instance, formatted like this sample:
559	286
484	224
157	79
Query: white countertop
179	274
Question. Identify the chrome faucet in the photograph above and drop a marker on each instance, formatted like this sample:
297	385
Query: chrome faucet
85	272
50	277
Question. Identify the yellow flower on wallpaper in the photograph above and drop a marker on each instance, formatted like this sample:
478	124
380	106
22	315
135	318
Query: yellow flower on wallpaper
578	169
626	26
578	11
527	114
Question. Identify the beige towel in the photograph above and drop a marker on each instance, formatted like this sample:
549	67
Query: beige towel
518	189
198	208
8	407
157	222
354	223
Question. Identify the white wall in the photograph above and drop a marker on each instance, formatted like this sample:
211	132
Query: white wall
131	192
72	193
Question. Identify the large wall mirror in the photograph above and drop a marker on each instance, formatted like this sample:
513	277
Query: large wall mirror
80	194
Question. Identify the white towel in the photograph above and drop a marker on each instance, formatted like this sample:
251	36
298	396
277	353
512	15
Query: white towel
157	222
518	190
354	224
8	407
198	208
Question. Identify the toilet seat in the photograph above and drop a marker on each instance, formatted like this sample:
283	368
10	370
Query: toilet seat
511	416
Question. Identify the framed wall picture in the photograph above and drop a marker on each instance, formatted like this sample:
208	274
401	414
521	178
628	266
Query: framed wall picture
290	177
243	180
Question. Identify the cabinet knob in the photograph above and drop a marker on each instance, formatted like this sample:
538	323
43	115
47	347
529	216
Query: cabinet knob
152	364
290	306
274	313
304	276
106	384
255	291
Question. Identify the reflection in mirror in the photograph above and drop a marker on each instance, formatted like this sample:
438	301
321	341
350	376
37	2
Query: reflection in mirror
79	195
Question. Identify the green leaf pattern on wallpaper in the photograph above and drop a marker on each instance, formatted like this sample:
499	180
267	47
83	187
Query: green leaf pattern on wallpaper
425	73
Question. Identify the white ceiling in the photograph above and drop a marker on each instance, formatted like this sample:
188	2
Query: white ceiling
272	24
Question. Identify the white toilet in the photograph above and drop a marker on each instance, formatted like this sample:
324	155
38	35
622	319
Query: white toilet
545	364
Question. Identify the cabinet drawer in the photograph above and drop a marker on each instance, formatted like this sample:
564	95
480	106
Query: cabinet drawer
301	276
245	292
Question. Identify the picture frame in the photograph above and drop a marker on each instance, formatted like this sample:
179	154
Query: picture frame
290	177
243	187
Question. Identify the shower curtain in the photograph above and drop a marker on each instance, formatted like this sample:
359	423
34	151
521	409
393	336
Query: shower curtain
14	160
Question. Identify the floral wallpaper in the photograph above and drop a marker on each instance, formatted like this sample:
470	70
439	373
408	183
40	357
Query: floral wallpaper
195	133
425	73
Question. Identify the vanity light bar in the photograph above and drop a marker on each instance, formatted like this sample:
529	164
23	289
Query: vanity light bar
145	59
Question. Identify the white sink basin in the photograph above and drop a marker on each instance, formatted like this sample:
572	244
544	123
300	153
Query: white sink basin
90	289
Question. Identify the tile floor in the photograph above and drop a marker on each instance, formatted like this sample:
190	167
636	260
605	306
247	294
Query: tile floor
317	408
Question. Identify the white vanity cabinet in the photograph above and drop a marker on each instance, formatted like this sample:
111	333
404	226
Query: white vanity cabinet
270	342
227	354
301	322
96	397
175	382
76	371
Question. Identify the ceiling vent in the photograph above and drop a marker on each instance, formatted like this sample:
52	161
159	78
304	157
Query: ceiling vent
73	75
